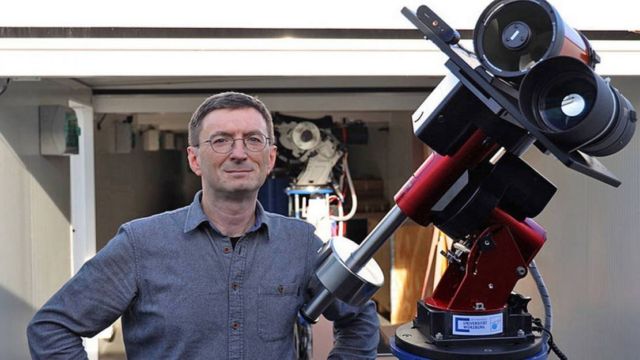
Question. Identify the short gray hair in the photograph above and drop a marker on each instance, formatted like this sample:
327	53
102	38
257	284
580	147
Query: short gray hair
227	100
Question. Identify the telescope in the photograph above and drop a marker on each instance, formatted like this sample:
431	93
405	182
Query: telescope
530	81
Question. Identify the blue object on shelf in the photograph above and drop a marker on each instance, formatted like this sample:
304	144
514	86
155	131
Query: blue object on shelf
273	195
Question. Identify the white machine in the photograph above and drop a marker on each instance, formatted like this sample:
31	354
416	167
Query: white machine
316	194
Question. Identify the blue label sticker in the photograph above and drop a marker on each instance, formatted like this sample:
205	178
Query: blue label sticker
477	325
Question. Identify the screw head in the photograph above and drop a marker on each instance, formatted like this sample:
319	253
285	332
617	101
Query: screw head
520	332
439	336
521	271
490	285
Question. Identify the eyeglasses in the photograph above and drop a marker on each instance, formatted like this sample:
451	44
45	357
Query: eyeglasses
223	144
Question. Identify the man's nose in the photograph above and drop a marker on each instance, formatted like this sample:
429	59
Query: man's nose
238	150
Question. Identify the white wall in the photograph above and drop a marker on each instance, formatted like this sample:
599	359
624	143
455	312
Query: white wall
34	212
590	259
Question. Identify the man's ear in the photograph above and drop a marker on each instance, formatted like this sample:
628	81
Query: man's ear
194	161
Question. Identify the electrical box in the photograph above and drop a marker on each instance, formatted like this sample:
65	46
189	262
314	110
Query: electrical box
59	130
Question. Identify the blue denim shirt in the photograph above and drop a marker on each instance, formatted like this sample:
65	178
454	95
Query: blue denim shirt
185	293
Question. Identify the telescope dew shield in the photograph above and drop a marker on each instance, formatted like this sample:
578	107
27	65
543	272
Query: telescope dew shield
576	108
513	35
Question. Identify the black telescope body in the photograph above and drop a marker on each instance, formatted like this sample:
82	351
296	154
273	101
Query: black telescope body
576	108
511	36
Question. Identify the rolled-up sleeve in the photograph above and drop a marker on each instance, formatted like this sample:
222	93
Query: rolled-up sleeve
356	329
90	301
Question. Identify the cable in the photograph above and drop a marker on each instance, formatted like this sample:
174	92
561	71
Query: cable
547	337
304	339
340	223
550	342
5	86
99	125
544	295
354	198
468	52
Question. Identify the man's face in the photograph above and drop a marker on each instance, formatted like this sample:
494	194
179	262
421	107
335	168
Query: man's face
240	172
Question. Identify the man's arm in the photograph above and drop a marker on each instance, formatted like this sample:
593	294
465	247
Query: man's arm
89	302
356	330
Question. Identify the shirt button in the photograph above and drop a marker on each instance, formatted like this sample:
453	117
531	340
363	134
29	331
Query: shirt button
235	325
226	250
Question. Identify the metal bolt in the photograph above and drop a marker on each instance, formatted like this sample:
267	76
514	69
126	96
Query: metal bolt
520	332
487	242
439	336
521	271
490	286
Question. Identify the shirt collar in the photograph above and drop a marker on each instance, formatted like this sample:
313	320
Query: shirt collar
196	215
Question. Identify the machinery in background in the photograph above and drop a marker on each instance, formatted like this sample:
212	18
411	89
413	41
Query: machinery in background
315	161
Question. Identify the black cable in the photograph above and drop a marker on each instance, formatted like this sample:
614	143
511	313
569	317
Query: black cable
5	86
469	52
99	125
552	344
304	340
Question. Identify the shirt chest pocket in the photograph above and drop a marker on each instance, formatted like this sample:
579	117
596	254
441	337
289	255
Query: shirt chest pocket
278	306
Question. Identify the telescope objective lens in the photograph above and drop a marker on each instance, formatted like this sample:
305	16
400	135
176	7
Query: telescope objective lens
566	103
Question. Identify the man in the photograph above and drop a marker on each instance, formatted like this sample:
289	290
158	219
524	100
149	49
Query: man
218	279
